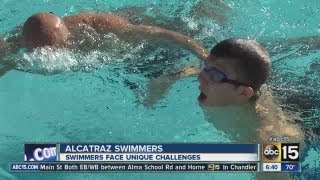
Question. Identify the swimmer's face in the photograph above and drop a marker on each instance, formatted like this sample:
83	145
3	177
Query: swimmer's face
44	29
214	92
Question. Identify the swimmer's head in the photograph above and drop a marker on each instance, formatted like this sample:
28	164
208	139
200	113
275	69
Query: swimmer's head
234	73
44	29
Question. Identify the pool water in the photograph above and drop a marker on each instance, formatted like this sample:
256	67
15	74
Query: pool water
90	97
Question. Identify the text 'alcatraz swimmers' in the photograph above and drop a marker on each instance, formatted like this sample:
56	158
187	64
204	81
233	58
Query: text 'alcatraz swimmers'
105	148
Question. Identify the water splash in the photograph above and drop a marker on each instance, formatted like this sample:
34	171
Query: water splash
51	61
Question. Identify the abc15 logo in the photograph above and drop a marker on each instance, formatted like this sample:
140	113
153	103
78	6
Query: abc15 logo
280	152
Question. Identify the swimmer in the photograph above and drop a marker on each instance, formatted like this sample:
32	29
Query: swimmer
47	29
234	97
232	87
231	81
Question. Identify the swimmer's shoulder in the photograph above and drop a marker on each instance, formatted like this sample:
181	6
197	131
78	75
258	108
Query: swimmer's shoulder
80	18
99	21
275	122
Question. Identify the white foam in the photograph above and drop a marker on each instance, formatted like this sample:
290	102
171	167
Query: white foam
51	61
191	22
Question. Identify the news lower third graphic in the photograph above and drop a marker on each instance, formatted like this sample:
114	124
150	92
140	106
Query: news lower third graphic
159	152
154	157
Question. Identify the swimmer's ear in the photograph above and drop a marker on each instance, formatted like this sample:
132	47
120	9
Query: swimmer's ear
245	91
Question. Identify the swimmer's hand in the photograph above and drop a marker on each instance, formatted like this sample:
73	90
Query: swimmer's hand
190	71
158	87
184	72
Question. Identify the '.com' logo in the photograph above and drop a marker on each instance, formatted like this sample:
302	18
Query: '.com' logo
271	152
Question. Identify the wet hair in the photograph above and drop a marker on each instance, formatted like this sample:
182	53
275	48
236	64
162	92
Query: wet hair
44	29
251	60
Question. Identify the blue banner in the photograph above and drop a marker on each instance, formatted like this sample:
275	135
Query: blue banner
158	148
290	167
40	152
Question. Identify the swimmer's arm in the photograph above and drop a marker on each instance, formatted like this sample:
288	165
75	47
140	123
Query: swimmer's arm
304	40
167	37
157	87
104	23
292	45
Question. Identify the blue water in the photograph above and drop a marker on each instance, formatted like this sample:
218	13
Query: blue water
95	103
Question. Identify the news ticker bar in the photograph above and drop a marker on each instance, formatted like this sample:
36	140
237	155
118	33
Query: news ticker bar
155	167
134	167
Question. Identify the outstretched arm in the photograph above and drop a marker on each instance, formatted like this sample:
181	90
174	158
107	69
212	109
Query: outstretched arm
156	88
167	37
104	23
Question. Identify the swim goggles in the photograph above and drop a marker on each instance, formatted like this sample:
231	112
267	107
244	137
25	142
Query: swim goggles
217	76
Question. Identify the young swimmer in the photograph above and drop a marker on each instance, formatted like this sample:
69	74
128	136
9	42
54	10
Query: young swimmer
232	87
231	82
47	29
234	98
